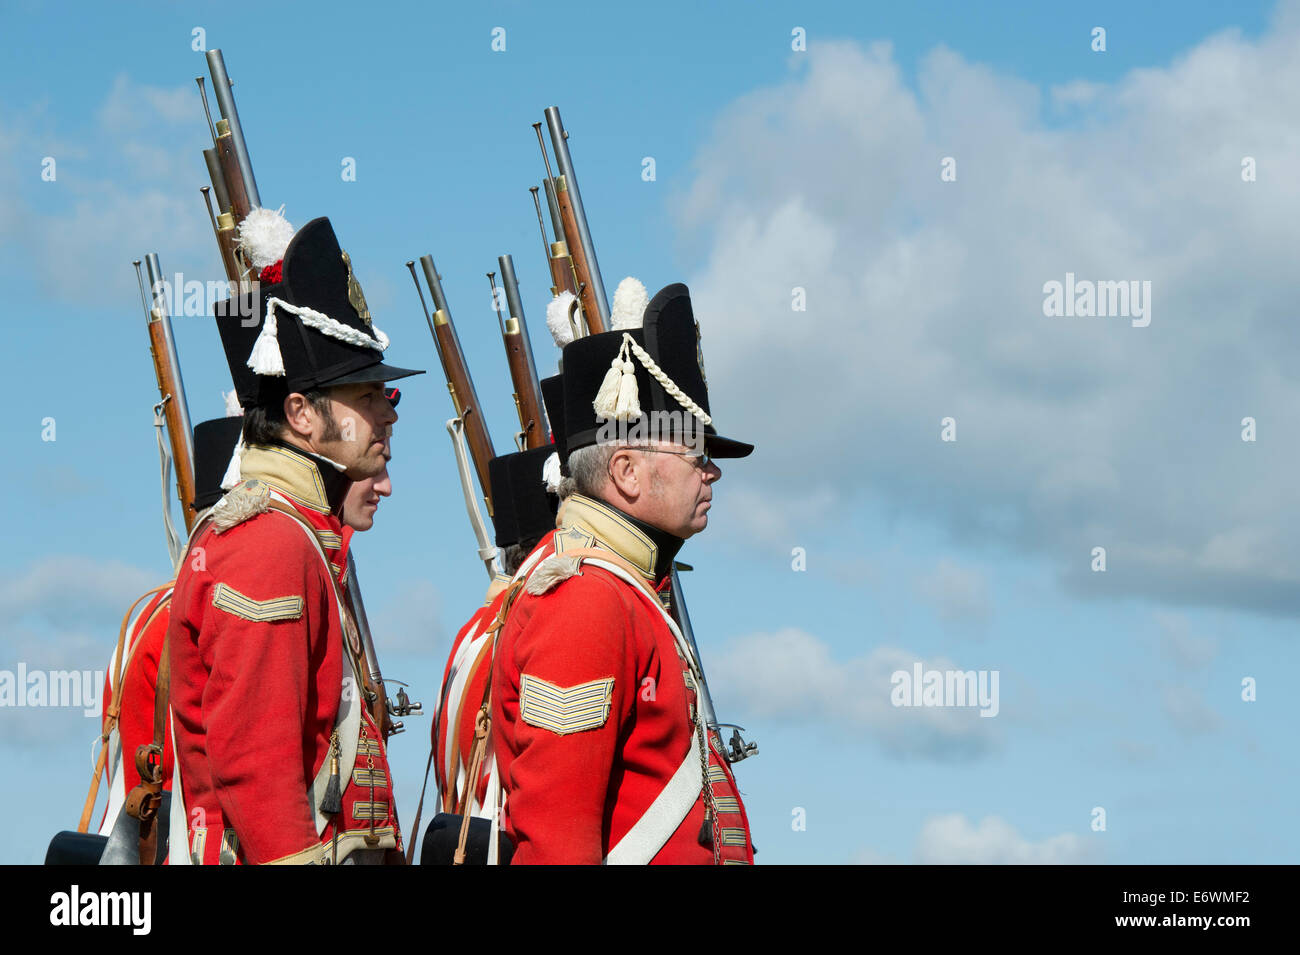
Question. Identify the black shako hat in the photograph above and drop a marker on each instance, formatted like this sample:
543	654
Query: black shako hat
310	329
522	507
609	385
214	443
553	398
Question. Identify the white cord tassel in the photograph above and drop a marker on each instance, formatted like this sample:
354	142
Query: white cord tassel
618	397
551	476
233	476
266	358
629	401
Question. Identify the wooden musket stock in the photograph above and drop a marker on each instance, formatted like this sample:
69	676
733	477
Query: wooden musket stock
581	268
169	391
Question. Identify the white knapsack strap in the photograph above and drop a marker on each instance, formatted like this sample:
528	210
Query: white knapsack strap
643	841
493	812
348	720
178	830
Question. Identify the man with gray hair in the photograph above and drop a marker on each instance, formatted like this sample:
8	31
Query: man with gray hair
597	731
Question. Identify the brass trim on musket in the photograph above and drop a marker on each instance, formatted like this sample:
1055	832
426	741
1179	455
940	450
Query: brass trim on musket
440	317
223	129
512	326
226	104
455	399
569	182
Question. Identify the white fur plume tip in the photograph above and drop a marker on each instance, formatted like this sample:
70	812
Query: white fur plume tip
233	408
557	318
630	301
551	476
264	236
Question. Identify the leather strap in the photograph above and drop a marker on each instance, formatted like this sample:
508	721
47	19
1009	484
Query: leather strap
114	710
143	801
348	621
483	724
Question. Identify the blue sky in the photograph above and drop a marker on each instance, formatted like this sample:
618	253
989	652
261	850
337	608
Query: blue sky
775	169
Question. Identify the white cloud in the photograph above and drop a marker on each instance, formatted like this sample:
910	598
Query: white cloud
71	589
1188	711
407	622
62	615
791	674
959	594
1187	650
924	300
124	177
952	840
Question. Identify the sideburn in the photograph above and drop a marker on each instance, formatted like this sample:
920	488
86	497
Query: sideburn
332	431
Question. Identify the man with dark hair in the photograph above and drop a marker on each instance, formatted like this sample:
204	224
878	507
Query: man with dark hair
279	757
597	730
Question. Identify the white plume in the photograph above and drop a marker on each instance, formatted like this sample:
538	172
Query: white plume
233	408
557	318
263	236
630	301
551	476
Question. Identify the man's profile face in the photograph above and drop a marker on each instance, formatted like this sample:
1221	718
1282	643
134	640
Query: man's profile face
679	492
362	500
358	434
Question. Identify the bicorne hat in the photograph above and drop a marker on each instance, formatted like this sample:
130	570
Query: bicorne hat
307	325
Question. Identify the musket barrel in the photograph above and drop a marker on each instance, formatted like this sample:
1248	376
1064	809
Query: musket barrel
226	105
375	677
553	204
565	162
218	180
516	306
464	396
177	410
435	284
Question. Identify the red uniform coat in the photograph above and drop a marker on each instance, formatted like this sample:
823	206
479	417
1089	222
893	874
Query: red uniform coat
460	697
593	714
258	669
142	650
135	721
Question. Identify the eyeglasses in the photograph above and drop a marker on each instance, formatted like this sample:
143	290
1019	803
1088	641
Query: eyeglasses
700	458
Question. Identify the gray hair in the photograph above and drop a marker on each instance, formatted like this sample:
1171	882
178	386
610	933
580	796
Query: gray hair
589	468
